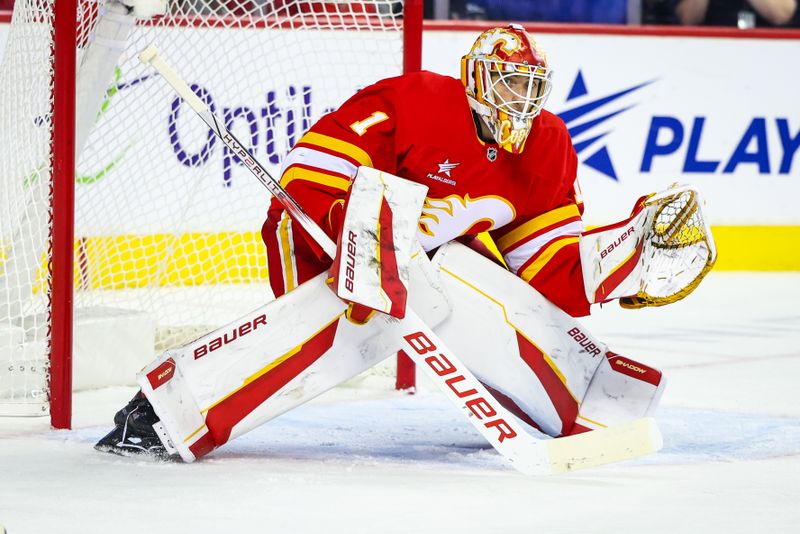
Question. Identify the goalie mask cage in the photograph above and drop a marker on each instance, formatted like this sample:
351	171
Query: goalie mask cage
126	228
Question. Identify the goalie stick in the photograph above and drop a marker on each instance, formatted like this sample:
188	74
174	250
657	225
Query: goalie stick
505	433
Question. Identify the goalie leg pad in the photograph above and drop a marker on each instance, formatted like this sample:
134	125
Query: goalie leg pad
539	362
274	358
164	385
535	357
621	390
271	360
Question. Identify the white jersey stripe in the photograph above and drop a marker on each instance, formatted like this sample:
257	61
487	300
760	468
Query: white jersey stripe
320	160
517	257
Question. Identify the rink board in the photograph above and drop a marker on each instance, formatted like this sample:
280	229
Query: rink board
645	110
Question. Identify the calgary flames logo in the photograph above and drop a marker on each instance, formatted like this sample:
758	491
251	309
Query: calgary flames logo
447	218
489	43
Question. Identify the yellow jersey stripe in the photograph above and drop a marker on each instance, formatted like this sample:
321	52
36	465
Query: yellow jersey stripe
546	255
317	177
330	211
542	221
337	145
286	253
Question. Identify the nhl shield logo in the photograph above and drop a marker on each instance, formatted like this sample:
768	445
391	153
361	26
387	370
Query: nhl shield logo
491	153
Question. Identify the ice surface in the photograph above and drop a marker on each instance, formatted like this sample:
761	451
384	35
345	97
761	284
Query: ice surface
383	462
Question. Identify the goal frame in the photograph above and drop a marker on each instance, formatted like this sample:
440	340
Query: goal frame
63	200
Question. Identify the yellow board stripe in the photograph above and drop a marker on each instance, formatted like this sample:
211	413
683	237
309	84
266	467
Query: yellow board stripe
757	248
542	221
162	260
746	248
547	254
210	258
337	145
307	175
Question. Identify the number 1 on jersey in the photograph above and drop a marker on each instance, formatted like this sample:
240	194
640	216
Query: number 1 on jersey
360	127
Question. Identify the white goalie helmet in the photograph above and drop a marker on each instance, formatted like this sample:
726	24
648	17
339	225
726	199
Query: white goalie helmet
507	81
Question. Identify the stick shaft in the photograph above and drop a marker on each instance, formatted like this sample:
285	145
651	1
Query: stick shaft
150	55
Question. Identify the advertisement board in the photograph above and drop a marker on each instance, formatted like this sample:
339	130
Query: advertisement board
651	108
644	111
647	111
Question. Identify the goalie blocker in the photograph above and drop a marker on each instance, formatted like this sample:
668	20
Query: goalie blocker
539	363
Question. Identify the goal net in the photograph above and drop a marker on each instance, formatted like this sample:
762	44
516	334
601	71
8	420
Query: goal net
166	219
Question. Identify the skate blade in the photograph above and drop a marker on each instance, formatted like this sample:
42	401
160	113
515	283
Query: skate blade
137	453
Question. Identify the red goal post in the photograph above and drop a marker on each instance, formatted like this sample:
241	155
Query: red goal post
123	224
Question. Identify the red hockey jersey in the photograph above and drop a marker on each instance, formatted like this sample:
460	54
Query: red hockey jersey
419	126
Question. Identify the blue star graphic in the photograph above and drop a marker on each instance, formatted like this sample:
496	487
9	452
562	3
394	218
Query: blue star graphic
599	159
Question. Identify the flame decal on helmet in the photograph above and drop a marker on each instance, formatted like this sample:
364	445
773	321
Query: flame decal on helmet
496	40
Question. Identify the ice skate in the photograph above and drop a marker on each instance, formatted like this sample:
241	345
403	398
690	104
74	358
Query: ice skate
134	434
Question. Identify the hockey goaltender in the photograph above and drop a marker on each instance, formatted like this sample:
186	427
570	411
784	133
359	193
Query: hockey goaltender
410	170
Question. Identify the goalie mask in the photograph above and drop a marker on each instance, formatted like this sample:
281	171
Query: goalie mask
507	81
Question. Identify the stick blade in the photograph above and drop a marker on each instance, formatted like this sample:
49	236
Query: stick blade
604	446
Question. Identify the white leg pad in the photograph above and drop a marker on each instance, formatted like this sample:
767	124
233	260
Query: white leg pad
621	390
541	363
269	361
515	341
164	385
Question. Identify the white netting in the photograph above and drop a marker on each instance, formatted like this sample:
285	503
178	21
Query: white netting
166	220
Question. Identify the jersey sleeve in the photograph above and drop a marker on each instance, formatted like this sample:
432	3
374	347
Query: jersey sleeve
318	170
543	249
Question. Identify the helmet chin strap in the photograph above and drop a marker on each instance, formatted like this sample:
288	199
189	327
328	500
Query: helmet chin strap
480	109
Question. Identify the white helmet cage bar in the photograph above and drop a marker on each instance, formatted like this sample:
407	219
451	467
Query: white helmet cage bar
518	89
